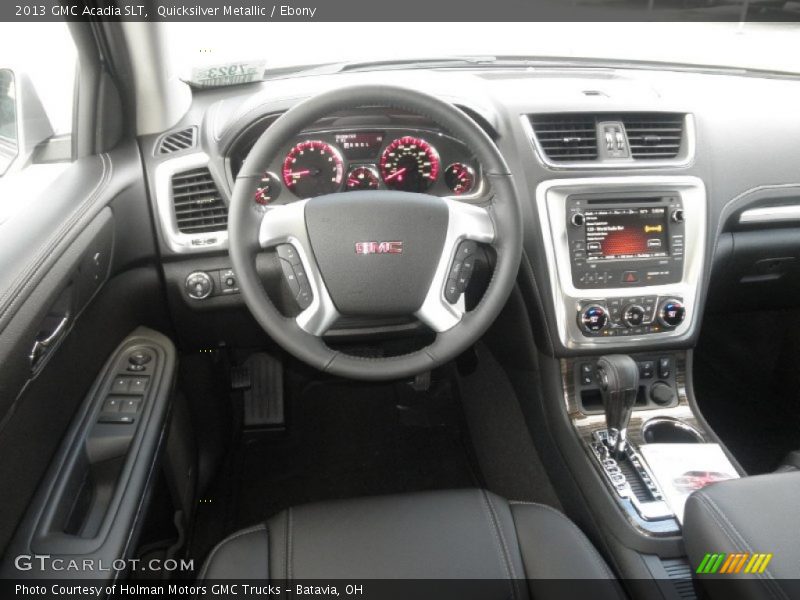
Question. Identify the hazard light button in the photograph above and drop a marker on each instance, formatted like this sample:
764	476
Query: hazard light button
630	277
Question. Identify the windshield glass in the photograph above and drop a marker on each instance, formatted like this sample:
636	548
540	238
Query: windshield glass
759	46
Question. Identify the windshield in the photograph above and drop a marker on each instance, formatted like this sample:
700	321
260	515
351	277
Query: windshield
758	46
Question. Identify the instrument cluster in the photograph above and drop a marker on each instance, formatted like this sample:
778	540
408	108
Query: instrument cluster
409	160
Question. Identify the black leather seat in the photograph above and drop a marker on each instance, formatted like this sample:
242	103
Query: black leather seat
459	534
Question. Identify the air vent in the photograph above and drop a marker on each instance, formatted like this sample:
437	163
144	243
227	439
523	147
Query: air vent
654	135
566	137
199	208
177	141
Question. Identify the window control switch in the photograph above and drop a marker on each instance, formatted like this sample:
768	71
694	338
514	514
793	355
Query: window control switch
137	385
131	406
120	385
112	404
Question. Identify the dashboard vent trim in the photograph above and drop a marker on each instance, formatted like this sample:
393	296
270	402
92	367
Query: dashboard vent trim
177	141
654	135
197	203
566	137
654	139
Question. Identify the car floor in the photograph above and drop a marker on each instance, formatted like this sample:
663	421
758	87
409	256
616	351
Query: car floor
347	439
746	378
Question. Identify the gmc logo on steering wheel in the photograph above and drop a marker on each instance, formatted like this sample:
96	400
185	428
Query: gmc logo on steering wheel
379	247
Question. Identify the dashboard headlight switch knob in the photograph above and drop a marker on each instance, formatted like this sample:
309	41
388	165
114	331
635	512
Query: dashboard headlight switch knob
671	313
593	318
199	285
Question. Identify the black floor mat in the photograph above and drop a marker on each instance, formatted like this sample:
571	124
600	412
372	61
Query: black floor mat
344	439
747	384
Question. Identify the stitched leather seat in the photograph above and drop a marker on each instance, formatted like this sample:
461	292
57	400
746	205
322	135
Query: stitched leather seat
459	534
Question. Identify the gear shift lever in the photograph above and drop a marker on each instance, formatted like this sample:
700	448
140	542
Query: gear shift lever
618	376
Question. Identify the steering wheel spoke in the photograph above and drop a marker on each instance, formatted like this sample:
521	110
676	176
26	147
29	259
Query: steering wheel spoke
443	307
284	228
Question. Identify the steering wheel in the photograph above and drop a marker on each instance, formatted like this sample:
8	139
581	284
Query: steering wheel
375	252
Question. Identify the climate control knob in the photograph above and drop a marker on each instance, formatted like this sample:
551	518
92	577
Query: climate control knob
634	315
671	313
593	318
199	285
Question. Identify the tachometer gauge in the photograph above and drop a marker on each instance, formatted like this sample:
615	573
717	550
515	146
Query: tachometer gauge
409	164
313	168
362	178
460	178
268	189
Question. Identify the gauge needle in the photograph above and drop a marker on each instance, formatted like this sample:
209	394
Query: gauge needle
299	173
352	181
395	174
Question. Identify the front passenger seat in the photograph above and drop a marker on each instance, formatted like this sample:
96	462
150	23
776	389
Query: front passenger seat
454	535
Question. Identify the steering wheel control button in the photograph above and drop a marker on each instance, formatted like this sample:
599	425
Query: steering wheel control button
295	276
304	295
199	285
593	318
466	249
451	292
287	252
672	313
460	271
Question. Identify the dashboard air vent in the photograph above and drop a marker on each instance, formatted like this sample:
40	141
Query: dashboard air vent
199	207
177	141
654	135
566	137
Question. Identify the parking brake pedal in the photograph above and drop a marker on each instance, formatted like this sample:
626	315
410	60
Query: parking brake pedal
261	378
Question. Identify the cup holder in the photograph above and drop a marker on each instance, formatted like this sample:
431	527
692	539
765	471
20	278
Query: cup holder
663	430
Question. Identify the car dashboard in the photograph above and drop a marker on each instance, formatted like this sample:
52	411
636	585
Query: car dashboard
586	147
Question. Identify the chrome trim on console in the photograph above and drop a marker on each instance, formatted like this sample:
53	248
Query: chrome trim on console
770	214
551	203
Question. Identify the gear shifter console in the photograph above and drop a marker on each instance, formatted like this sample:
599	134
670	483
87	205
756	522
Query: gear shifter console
618	377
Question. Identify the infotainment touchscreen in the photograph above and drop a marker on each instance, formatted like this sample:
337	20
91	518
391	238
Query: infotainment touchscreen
619	233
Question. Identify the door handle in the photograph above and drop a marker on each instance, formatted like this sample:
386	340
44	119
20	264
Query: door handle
42	345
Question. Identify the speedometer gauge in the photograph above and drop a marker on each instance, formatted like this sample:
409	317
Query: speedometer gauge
313	168
409	164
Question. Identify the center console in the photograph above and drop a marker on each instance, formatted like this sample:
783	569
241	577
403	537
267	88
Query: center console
625	257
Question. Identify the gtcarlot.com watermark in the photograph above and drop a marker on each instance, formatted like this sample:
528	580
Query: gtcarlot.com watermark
45	562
